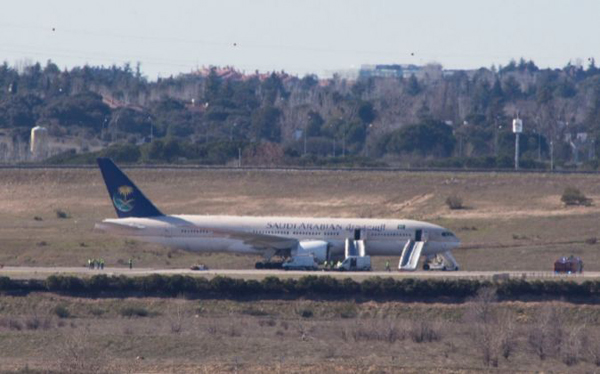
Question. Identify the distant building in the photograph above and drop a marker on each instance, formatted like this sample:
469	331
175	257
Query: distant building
388	71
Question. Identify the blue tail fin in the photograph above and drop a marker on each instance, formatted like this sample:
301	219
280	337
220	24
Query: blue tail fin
127	199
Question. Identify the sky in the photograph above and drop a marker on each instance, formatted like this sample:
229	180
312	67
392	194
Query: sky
300	36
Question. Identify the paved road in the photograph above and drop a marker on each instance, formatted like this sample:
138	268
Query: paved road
28	272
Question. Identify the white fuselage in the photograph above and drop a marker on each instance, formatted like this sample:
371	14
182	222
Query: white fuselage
383	237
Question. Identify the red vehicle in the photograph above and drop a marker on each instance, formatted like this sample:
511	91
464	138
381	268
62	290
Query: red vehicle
568	265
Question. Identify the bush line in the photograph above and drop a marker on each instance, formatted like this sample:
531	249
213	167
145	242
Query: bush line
317	286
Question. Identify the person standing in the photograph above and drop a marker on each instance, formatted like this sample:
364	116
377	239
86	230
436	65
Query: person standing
130	263
387	265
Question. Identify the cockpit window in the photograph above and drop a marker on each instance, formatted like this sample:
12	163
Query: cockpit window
447	233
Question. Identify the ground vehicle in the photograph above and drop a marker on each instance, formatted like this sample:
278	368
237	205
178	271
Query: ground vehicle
300	263
568	265
199	267
355	263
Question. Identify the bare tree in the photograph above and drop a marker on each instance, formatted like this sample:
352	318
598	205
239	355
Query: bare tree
76	354
492	330
546	334
572	345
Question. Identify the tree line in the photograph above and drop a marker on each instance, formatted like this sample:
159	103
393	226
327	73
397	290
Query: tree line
207	116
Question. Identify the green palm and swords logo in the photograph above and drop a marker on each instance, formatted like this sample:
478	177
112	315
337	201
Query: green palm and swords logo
121	199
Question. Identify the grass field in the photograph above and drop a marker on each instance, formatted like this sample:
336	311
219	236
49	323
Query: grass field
511	221
49	333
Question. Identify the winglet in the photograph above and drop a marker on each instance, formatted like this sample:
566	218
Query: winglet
128	200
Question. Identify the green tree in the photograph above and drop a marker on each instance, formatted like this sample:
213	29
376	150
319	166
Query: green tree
265	124
85	109
315	122
431	138
366	112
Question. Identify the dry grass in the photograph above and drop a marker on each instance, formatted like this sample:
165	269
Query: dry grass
189	336
513	221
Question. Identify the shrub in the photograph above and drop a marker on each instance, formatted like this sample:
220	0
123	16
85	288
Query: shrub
424	331
573	196
61	311
62	214
454	202
134	312
305	313
65	283
5	283
97	312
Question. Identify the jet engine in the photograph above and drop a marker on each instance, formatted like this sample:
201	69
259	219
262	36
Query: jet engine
319	249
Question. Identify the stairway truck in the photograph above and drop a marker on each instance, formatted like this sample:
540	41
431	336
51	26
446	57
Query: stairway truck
355	263
300	263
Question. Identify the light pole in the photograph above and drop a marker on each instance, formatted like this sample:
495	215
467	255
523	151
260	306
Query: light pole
367	140
517	129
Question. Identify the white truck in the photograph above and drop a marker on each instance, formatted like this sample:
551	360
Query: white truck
355	263
300	263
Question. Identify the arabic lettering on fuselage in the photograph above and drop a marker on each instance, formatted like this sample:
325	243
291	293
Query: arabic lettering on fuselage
321	226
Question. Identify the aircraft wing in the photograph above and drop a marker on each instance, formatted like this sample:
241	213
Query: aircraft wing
261	241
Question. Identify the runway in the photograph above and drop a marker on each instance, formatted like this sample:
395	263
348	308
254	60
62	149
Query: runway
29	272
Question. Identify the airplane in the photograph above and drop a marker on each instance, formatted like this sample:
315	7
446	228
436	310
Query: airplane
287	237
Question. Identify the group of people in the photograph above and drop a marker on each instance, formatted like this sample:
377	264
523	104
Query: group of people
98	263
94	263
331	264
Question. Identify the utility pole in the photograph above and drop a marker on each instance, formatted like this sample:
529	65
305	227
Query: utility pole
517	129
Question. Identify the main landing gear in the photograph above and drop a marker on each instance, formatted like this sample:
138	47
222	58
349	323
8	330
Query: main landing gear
268	265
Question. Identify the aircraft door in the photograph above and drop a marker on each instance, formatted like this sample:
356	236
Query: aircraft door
418	235
357	234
